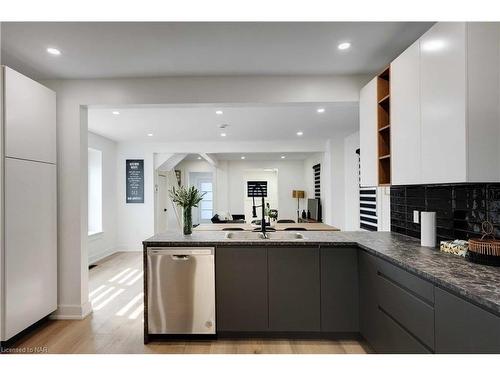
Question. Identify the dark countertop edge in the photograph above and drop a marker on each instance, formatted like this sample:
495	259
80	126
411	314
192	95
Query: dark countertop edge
489	306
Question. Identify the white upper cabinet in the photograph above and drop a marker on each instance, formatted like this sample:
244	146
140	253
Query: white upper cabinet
483	96
368	134
405	117
443	103
30	119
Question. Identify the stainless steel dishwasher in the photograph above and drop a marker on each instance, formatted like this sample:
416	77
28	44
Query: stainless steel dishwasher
181	290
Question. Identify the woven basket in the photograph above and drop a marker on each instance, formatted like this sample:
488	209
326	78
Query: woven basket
485	246
485	250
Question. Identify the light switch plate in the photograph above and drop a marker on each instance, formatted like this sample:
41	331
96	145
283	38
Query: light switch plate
416	217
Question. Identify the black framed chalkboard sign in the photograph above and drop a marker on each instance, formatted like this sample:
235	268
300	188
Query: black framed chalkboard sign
134	180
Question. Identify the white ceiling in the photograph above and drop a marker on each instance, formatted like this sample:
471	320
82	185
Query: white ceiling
255	156
245	122
137	49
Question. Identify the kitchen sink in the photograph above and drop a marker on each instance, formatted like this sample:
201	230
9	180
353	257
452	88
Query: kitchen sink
285	236
243	235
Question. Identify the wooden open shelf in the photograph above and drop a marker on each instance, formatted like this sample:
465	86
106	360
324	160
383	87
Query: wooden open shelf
384	100
384	171
384	127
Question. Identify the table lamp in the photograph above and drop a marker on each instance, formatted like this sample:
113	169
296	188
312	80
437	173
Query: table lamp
299	194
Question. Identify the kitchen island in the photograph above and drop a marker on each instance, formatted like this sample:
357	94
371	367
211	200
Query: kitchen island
399	296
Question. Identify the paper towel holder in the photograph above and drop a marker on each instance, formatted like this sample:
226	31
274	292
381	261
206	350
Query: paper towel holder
428	229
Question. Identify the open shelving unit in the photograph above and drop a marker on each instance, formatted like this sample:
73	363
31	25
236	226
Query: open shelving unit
384	127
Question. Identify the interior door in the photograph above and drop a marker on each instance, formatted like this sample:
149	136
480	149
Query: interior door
161	204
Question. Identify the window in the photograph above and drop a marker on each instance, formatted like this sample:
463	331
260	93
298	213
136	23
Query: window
94	191
207	203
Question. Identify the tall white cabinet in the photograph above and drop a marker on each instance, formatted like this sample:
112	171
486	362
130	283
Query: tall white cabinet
29	244
445	106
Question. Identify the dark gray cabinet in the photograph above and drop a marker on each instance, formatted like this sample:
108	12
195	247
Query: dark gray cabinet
368	300
339	290
394	338
462	327
241	289
408	301
396	308
294	289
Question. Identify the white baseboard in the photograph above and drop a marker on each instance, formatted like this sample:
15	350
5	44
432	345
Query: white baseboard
101	255
72	312
128	248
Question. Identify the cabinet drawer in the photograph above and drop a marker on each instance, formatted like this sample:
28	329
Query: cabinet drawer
462	327
411	312
413	284
396	340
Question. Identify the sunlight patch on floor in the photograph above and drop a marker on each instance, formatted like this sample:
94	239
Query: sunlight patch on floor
130	304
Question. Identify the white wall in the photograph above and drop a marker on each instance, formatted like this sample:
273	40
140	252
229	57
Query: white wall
103	244
340	195
135	220
337	184
351	178
72	143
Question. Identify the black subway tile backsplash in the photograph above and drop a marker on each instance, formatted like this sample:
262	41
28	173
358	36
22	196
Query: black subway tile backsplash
460	209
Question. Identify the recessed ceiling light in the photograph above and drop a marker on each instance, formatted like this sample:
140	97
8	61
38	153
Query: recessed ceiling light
219	112
199	157
223	134
344	45
115	112
300	133
53	51
242	158
150	134
283	156
320	110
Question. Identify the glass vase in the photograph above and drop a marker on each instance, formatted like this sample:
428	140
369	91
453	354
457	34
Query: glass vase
188	221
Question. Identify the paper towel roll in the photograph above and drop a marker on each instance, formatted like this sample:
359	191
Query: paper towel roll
428	229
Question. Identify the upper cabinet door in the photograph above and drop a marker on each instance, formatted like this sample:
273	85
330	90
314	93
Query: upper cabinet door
443	103
30	119
405	117
368	134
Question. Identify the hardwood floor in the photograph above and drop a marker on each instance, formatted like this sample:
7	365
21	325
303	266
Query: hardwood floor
116	324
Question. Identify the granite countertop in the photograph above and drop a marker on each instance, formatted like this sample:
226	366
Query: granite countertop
476	283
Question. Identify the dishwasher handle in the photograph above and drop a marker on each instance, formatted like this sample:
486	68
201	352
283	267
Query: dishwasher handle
180	251
180	257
